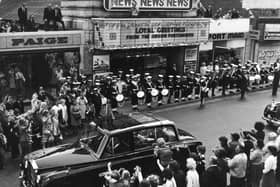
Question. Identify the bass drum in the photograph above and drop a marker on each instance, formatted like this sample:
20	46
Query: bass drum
154	94
165	94
141	97
120	100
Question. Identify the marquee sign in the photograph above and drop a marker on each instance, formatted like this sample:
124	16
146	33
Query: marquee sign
226	36
40	39
272	32
141	33
150	5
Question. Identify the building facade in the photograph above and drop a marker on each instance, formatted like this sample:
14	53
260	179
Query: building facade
149	36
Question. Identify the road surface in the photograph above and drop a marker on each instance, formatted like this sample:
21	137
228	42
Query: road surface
219	117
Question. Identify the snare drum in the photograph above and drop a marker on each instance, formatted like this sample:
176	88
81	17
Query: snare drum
257	77
270	78
164	92
120	100
154	94
141	97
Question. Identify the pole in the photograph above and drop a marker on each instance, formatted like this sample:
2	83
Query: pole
213	58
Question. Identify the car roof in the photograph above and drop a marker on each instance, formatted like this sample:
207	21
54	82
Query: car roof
143	126
135	121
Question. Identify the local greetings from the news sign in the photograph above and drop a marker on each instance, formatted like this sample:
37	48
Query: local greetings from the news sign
151	32
152	4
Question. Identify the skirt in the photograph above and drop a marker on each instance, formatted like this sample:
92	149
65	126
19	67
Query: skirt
255	174
269	179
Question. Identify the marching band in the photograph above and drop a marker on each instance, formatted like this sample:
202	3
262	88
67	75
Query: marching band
150	90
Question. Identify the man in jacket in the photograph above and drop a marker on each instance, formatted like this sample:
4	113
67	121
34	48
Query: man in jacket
48	16
22	16
58	17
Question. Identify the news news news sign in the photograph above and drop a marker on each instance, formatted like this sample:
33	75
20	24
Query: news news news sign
143	33
150	5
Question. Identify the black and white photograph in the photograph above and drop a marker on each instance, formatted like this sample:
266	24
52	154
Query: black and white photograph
139	93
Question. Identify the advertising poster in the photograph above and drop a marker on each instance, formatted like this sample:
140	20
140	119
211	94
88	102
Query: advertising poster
101	63
190	63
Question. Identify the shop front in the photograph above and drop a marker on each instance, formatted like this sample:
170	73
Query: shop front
268	47
39	56
227	41
153	45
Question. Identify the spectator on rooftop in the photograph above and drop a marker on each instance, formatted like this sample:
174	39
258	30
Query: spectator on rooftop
219	13
48	17
22	16
31	24
235	14
208	12
58	16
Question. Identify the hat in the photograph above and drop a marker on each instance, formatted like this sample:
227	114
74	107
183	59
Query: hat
95	88
170	76
120	71
160	76
272	136
108	77
149	77
178	76
131	70
147	74
191	72
127	75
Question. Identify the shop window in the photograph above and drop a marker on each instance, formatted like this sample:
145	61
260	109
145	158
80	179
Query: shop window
113	36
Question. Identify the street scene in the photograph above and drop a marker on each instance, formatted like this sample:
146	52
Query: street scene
135	93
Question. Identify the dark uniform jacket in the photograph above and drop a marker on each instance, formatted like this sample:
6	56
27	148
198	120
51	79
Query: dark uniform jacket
22	14
48	14
57	14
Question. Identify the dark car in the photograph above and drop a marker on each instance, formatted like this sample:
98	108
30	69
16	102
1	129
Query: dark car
272	113
127	144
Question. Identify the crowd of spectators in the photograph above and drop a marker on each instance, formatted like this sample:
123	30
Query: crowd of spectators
246	158
26	23
208	12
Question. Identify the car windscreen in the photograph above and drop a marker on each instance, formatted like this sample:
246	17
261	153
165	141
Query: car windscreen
94	142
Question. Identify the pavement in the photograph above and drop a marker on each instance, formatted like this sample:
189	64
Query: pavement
220	116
